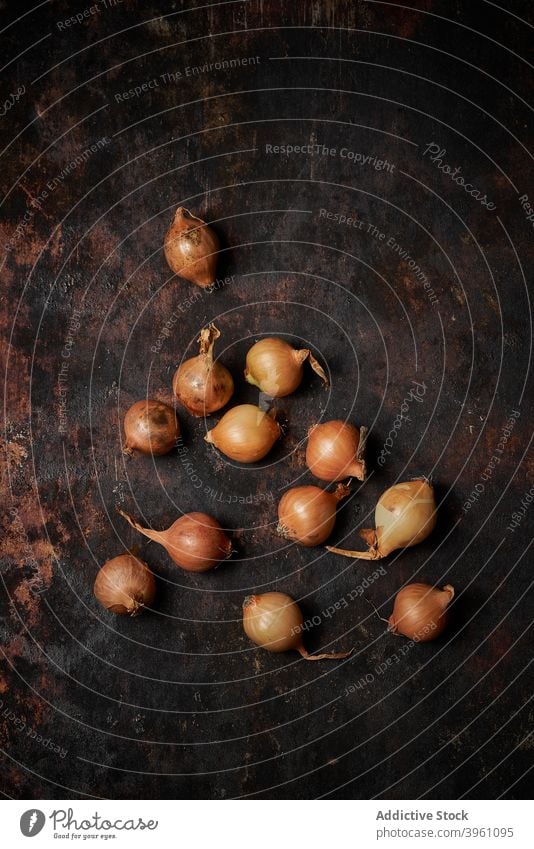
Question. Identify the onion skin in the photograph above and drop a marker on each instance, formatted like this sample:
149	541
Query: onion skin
420	612
245	433
196	542
200	384
274	622
307	514
191	248
150	427
125	585
336	450
276	368
405	515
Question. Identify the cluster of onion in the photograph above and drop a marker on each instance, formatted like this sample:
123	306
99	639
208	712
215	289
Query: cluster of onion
404	515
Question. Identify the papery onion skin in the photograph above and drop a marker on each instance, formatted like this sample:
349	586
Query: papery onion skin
336	450
274	622
307	514
150	427
125	585
196	542
276	368
191	248
405	515
420	612
200	384
245	433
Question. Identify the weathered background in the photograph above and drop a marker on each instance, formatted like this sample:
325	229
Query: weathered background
177	702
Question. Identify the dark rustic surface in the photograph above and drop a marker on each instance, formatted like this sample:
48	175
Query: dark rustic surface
177	702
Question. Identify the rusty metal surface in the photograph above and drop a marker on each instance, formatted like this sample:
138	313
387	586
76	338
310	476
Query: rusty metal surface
425	287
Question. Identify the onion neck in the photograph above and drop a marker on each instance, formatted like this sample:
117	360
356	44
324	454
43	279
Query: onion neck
357	470
300	356
341	491
208	337
250	379
446	595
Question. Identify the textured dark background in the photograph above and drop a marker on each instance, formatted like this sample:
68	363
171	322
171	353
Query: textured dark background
177	702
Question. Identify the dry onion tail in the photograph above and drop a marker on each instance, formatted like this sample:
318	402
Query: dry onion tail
325	656
208	337
370	537
154	535
317	367
342	490
360	456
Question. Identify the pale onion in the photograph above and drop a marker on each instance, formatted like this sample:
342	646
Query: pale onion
150	427
276	368
196	542
307	514
274	622
420	611
200	384
336	450
191	248
125	585
245	433
404	516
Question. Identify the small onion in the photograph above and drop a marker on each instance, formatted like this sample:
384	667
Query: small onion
274	622
191	248
404	516
336	450
276	368
420	612
125	585
307	514
150	427
201	385
196	542
245	433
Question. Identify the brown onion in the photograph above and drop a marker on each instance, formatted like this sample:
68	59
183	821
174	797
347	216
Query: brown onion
245	433
276	368
336	450
125	585
150	427
201	385
195	542
191	248
404	516
307	514
274	621
420	612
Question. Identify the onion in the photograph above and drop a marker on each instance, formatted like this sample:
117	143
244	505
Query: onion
195	542
125	585
274	621
336	450
191	248
307	514
420	612
404	516
276	368
150	427
201	385
245	433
